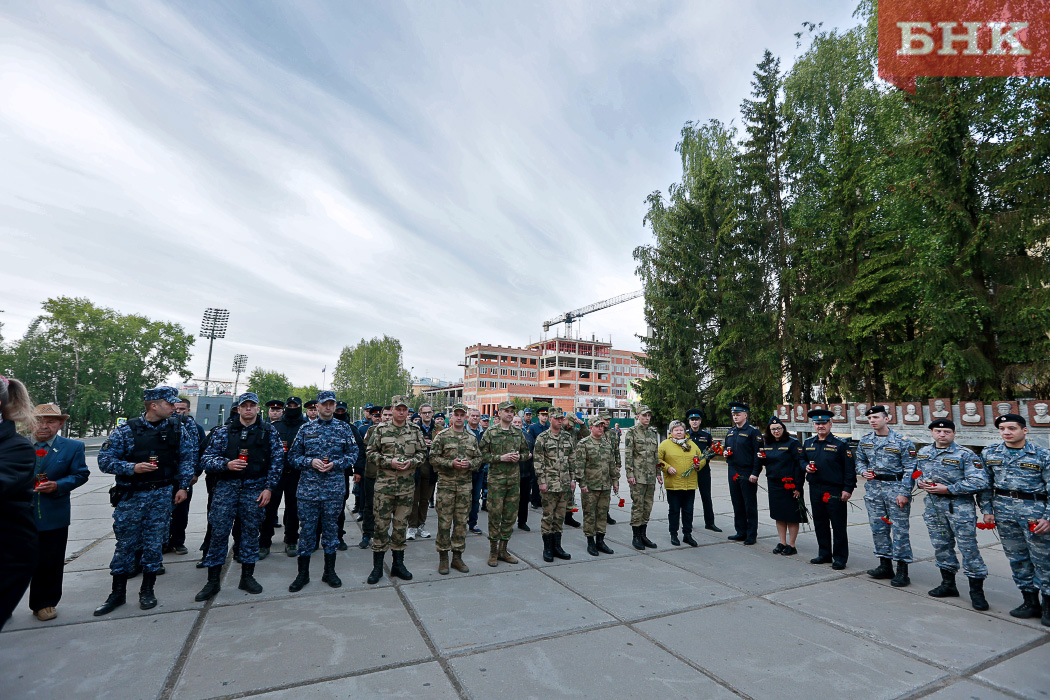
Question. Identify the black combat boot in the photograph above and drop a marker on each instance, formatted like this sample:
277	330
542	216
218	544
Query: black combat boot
645	537
883	570
118	597
947	589
591	548
1030	606
599	542
636	541
1046	610
329	576
212	586
977	598
303	577
377	567
609	520
248	582
569	520
548	554
556	547
147	598
901	579
398	568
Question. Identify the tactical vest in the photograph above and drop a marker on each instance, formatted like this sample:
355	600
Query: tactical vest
257	442
160	443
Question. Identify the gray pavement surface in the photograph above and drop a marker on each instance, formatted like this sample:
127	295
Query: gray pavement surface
718	621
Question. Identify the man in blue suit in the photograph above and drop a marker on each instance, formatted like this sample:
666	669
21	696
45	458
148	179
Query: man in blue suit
60	468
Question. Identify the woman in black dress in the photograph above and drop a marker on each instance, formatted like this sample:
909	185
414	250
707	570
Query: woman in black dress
781	457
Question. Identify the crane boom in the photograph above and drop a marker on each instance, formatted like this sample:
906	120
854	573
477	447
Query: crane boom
569	316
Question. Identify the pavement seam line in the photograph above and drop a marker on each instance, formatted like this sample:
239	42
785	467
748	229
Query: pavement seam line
172	679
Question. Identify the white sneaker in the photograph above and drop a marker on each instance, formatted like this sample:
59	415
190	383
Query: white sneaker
423	533
411	535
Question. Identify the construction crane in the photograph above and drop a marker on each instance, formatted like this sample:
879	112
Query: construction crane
569	316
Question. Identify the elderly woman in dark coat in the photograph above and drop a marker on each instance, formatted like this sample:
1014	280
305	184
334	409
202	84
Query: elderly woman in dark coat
18	542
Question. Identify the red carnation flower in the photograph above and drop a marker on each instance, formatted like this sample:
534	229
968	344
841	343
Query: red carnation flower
789	487
696	460
729	452
41	453
621	502
736	477
826	498
1032	526
917	474
885	520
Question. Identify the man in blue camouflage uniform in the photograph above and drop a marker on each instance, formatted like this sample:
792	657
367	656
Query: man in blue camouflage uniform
247	457
886	459
151	456
952	475
1016	502
322	451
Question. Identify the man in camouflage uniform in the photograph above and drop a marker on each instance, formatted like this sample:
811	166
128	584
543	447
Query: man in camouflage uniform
397	450
502	447
322	451
952	475
151	456
642	443
248	458
886	459
1016	502
613	438
596	470
455	454
577	430
552	458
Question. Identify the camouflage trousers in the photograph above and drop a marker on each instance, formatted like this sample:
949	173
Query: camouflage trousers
952	520
891	538
554	505
141	522
452	501
1028	553
504	499
232	499
641	503
595	511
390	509
314	514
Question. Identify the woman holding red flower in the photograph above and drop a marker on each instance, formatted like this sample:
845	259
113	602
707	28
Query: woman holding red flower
680	459
781	457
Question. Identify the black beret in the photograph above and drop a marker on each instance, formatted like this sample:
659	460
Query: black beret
877	408
293	399
943	423
1011	418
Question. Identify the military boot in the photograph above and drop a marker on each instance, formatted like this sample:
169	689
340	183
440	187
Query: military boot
636	541
548	554
1030	606
248	582
443	563
147	598
457	563
1046	610
212	586
599	543
947	589
329	576
303	577
118	597
504	555
609	520
591	548
977	598
569	520
645	537
556	549
493	552
377	567
398	567
901	579
883	570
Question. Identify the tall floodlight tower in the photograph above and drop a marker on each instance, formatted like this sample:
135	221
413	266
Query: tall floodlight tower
213	326
239	363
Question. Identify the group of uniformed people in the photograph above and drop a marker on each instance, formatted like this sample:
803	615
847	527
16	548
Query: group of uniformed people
156	457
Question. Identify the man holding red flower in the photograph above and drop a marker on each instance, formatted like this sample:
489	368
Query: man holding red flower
832	481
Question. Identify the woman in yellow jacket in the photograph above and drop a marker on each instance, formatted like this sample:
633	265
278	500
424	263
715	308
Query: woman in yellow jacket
680	460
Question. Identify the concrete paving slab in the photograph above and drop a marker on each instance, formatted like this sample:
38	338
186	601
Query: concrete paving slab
84	591
967	690
583	666
747	568
766	651
425	681
575	544
320	636
93	661
641	587
938	633
1001	593
1027	674
274	574
423	561
478	611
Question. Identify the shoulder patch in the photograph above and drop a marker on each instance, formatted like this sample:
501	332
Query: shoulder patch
106	445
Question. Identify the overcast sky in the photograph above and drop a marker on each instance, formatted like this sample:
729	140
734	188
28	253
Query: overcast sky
445	173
